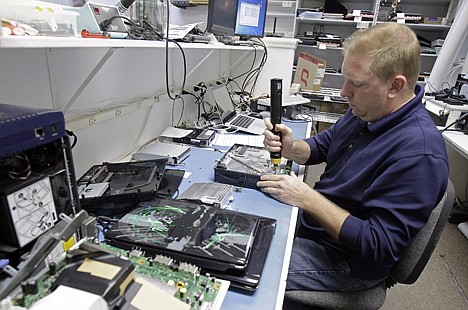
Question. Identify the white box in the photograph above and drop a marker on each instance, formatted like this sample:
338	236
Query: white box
25	11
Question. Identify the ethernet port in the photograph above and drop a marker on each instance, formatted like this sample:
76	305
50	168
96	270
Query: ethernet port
40	132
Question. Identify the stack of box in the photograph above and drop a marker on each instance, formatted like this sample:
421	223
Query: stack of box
437	45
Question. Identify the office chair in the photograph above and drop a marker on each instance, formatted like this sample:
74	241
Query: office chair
406	271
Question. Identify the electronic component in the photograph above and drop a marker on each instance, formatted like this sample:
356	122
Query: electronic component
127	183
30	211
37	180
230	244
139	276
211	193
175	153
276	91
99	273
92	15
198	137
243	165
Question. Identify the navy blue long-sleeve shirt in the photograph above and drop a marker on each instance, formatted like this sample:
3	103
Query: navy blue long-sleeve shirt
388	175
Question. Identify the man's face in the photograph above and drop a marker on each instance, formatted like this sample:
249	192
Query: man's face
367	95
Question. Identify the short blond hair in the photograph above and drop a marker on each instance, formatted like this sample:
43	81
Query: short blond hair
393	49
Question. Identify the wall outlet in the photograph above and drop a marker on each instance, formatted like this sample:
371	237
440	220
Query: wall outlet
118	112
92	120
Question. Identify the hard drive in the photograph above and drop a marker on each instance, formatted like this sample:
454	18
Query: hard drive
243	165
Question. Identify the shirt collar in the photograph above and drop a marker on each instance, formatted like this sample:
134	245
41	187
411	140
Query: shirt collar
399	115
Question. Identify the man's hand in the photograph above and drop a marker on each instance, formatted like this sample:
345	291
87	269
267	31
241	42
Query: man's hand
288	189
291	190
272	142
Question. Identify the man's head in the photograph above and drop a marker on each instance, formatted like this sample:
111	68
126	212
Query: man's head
380	68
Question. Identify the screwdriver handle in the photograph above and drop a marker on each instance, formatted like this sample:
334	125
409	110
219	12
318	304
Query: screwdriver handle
276	96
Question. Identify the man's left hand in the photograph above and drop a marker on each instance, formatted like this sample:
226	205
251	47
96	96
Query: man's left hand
288	189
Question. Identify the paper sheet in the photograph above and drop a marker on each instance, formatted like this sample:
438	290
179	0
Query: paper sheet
230	139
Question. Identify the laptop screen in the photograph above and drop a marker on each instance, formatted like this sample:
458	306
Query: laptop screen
222	98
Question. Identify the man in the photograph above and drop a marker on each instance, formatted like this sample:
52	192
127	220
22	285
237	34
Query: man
386	169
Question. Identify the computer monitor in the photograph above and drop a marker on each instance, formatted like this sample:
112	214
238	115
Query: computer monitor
251	17
222	17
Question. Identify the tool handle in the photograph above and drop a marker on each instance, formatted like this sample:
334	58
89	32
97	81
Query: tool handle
276	96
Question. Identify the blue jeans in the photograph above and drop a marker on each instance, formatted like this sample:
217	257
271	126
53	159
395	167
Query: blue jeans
315	267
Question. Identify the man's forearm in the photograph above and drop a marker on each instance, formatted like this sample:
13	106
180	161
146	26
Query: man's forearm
330	216
299	152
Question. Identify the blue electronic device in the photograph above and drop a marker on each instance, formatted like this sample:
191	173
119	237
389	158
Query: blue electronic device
37	178
25	127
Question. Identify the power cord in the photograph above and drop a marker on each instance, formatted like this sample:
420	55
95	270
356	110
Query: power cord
135	32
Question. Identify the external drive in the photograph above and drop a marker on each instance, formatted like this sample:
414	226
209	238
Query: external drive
156	150
198	137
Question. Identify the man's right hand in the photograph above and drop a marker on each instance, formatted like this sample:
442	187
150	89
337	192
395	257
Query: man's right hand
272	142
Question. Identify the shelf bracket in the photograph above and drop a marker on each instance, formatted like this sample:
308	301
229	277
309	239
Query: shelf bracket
88	79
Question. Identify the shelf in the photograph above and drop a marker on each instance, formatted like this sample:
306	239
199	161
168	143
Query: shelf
316	47
71	42
429	27
273	14
429	55
330	21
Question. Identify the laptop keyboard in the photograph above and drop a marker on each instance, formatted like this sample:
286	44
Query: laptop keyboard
242	121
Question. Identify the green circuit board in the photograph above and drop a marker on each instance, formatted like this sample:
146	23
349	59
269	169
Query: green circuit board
182	280
201	291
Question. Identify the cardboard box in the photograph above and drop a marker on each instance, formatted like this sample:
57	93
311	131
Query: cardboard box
432	20
310	71
437	42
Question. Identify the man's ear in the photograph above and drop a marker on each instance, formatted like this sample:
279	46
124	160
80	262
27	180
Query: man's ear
398	84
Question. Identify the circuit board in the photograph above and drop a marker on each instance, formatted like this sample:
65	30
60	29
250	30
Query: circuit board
181	280
201	291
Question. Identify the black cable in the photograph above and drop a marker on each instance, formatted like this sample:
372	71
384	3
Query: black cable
135	32
252	74
75	138
198	102
107	22
260	67
181	112
167	59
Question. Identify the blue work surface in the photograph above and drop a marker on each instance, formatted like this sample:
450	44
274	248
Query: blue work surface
200	168
200	165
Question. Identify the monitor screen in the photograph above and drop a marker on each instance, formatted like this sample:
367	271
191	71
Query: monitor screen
222	17
251	16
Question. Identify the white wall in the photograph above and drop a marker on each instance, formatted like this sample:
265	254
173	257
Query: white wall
49	78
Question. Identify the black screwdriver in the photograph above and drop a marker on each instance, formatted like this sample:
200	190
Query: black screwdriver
276	92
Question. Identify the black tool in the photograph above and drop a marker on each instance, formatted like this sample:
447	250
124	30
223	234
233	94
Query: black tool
276	91
461	120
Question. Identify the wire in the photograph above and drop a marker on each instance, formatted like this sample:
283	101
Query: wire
75	138
167	59
253	73
181	112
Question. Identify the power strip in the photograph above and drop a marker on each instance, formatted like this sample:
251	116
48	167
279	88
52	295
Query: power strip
93	119
108	114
